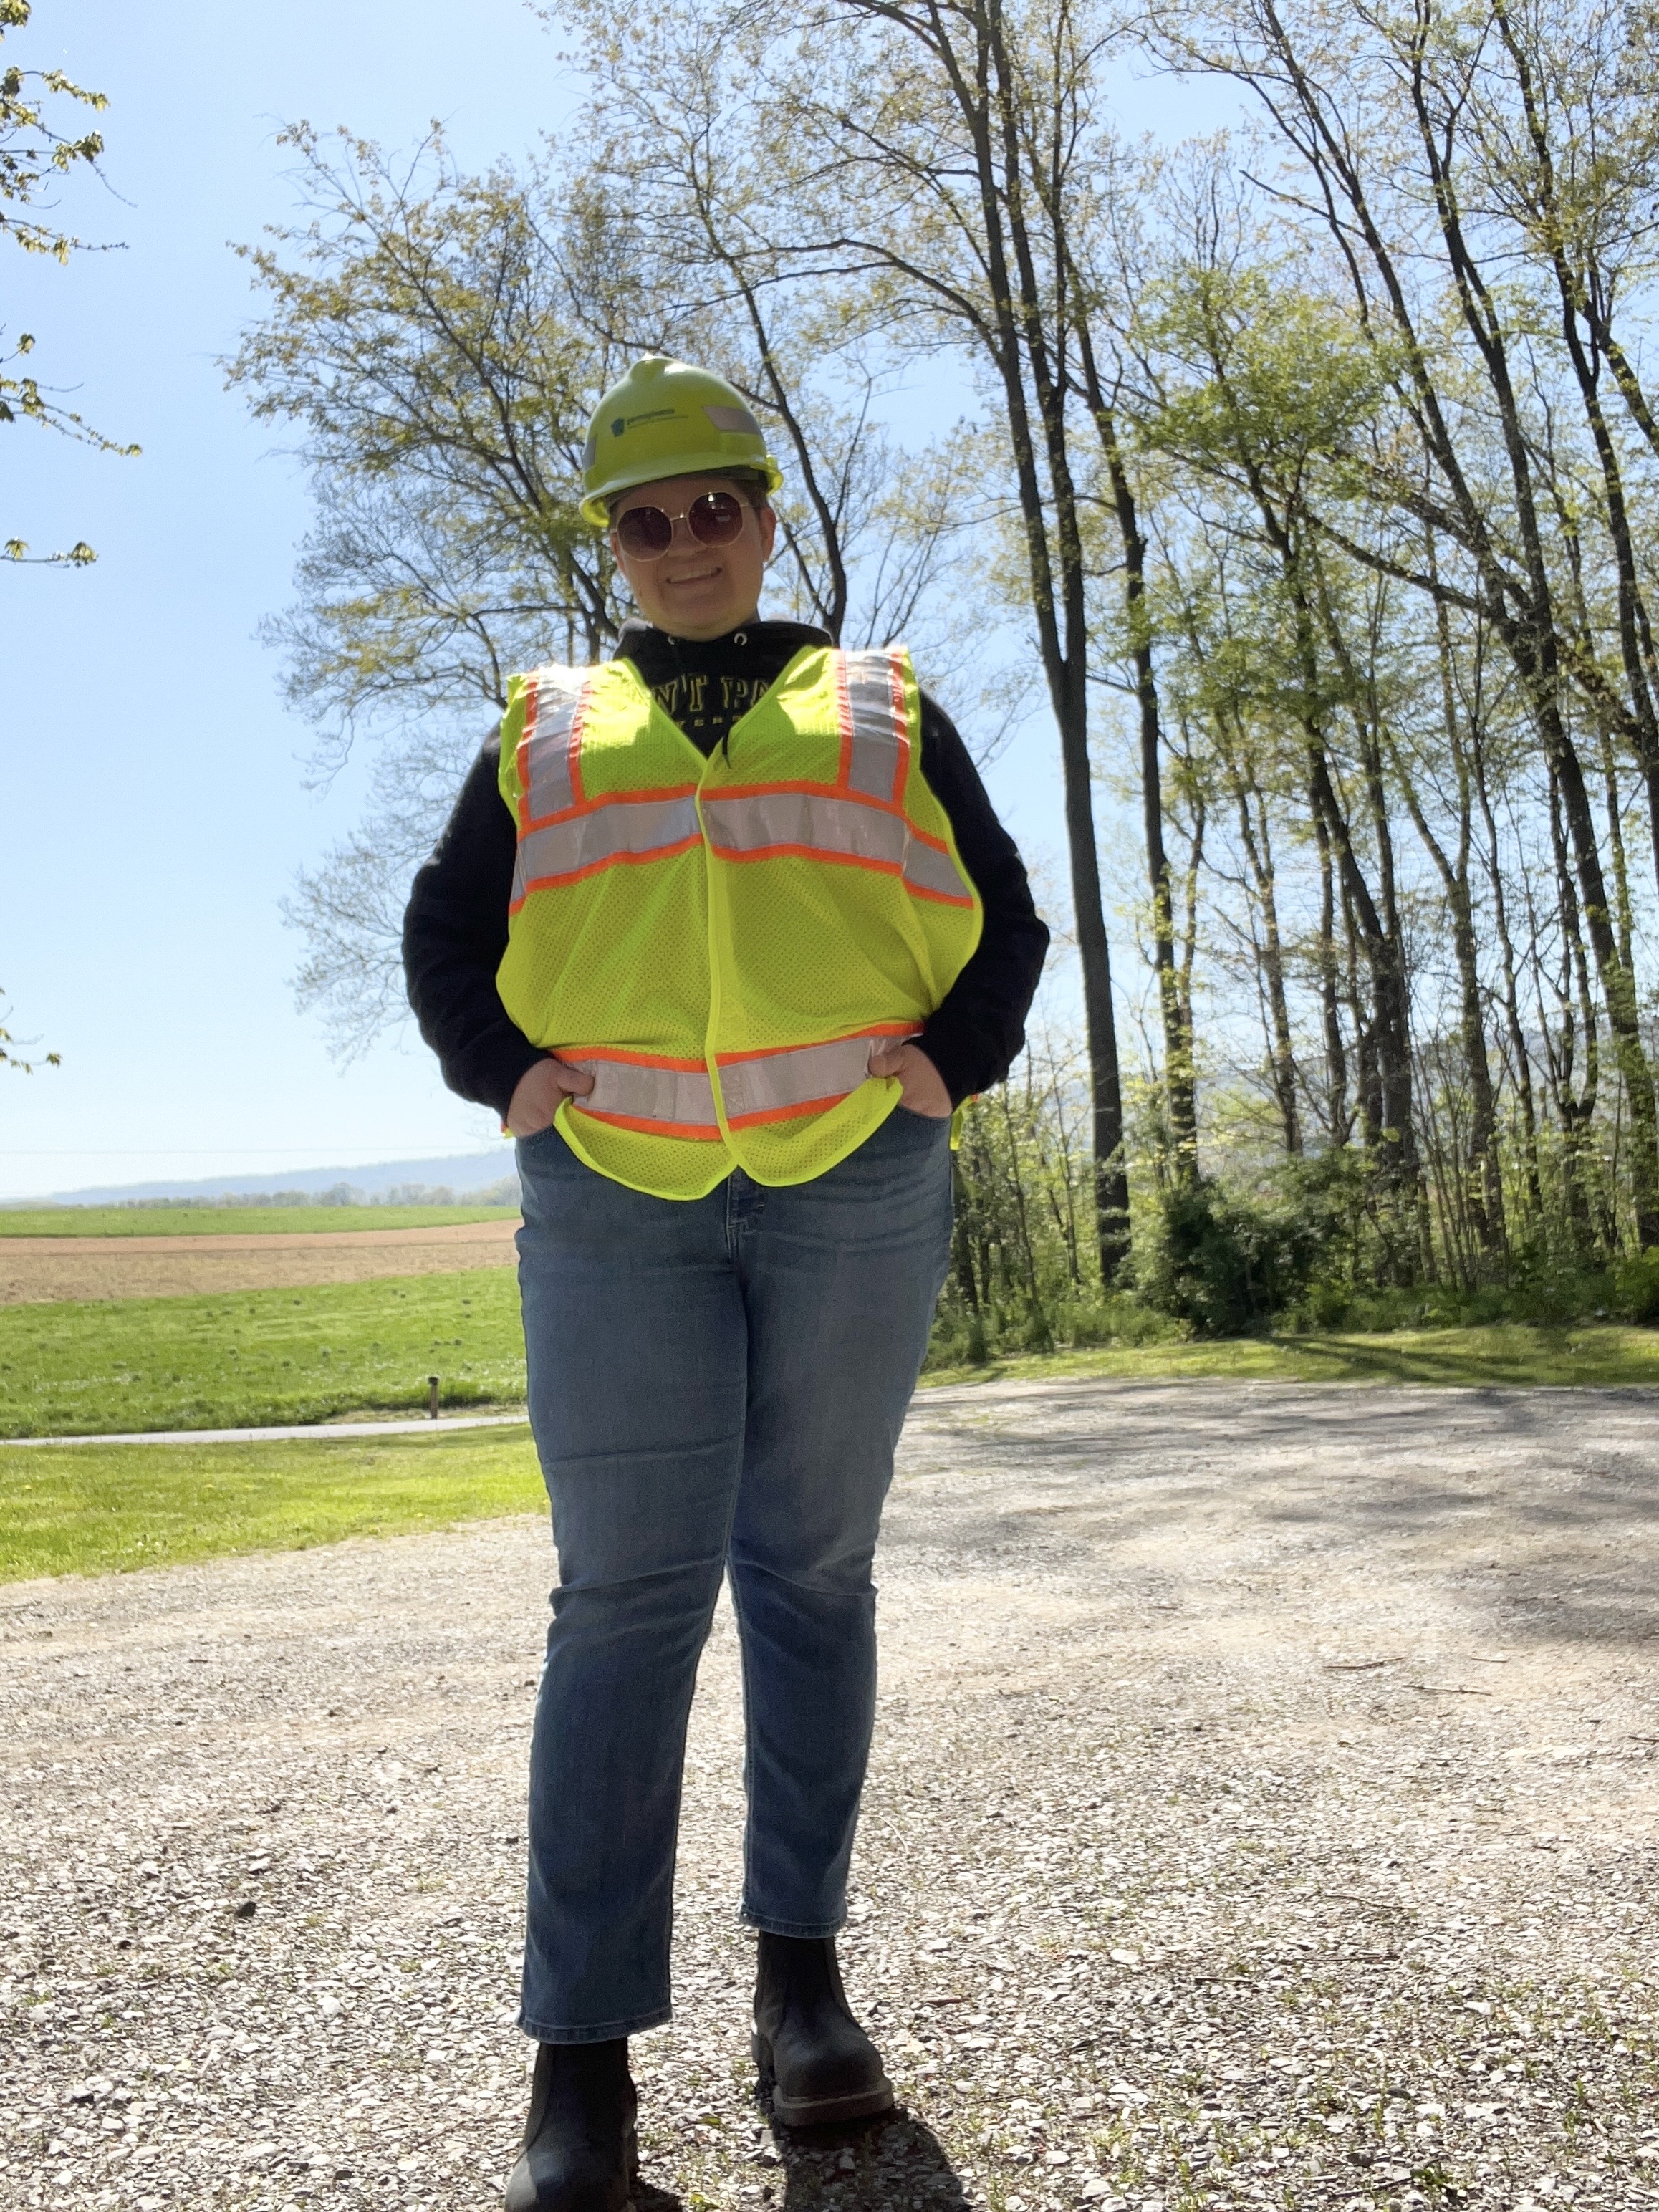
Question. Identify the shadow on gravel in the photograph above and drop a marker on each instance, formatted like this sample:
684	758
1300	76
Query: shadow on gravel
869	2166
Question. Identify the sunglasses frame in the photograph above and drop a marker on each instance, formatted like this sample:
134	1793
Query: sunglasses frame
649	506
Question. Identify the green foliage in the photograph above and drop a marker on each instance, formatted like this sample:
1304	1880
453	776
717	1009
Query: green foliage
1636	1290
1547	1296
260	1357
419	336
95	1508
438	341
1261	376
1225	1262
34	154
1375	441
1305	1247
1024	1274
9	1058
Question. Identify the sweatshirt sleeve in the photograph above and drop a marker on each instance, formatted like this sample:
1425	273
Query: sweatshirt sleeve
975	1035
454	935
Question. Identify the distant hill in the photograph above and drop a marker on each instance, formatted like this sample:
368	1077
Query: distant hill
464	1176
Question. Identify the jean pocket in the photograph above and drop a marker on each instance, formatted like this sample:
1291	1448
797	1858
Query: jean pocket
910	1133
541	1145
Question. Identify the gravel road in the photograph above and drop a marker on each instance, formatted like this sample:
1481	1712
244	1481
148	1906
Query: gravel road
1263	1812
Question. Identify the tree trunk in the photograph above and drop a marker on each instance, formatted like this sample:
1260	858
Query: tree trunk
1574	1113
1180	1085
1482	1179
1336	1058
1018	340
1536	643
1256	840
1521	605
1520	1050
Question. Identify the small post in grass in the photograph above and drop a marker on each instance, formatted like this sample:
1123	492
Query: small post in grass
432	1398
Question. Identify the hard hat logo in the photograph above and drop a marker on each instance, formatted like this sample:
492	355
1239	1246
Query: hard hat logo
666	418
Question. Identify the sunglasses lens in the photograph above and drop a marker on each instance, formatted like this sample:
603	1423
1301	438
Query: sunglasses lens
644	533
716	518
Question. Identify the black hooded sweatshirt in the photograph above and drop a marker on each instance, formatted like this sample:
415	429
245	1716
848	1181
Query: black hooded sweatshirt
455	928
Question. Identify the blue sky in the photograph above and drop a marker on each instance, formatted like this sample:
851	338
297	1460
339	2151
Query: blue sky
154	796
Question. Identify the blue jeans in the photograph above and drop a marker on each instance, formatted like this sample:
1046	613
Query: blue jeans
715	1387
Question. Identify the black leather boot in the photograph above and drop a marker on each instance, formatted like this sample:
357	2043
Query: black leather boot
821	2064
580	2153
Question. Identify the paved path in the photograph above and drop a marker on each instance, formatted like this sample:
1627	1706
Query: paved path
1263	1812
312	1429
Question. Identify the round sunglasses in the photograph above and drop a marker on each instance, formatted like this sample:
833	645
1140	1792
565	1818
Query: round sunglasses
645	533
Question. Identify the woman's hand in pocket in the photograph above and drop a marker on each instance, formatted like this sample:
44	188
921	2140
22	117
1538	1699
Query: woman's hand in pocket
540	1092
921	1087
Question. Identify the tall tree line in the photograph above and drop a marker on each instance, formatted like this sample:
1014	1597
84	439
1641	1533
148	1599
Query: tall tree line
1311	473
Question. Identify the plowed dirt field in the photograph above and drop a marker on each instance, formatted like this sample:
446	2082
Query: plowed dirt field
50	1268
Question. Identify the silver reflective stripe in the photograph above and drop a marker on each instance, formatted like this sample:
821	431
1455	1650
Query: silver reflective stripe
927	870
875	703
808	821
620	830
546	749
627	1091
799	1077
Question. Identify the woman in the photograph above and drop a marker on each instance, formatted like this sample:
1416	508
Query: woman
726	929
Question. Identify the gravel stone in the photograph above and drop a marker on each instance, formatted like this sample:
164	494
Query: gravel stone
1263	1812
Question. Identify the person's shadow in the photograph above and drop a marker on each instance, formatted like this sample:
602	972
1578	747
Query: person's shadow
870	2166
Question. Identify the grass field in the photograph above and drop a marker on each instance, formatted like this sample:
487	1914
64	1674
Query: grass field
233	1220
260	1357
277	1356
96	1508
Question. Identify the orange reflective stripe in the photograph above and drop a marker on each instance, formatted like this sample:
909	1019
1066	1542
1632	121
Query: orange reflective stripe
629	827
550	750
665	1097
875	748
777	1086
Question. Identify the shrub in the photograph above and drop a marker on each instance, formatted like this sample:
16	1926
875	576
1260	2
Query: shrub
1636	1290
1225	1262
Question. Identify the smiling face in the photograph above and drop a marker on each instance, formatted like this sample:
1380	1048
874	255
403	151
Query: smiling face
694	591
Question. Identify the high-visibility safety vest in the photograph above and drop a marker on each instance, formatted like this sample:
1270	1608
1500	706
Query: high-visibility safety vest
722	942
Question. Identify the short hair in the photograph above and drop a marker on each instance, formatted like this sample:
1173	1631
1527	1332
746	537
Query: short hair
751	482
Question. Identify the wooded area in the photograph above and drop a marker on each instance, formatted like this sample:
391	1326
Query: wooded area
1307	468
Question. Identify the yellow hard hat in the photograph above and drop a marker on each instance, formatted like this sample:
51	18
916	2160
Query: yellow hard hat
668	419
